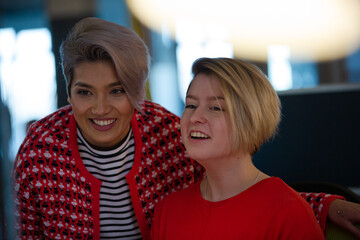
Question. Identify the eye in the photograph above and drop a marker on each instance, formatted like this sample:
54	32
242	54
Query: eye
190	106
83	92
216	108
118	91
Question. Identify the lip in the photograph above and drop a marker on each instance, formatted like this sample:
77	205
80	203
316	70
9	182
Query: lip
103	124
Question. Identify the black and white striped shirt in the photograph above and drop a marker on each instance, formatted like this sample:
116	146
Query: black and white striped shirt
117	216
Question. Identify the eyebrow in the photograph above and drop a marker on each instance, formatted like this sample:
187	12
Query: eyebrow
208	98
81	84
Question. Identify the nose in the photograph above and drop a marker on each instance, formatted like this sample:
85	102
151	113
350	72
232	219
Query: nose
198	116
101	105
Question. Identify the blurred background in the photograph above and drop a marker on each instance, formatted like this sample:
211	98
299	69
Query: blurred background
313	62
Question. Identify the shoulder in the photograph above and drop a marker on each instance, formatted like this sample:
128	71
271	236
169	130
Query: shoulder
176	200
45	142
278	189
45	136
184	196
277	195
286	206
58	119
151	110
156	122
285	200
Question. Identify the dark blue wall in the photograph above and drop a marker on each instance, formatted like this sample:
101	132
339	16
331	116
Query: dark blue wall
318	139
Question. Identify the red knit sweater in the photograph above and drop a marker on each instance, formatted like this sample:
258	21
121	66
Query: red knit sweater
56	197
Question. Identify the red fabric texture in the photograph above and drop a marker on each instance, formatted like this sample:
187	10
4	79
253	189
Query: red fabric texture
320	203
268	210
56	197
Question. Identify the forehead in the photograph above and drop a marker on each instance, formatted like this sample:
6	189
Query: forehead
100	72
207	85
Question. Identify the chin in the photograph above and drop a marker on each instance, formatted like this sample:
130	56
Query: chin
199	157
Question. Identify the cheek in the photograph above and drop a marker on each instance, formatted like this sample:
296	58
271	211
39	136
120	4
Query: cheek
126	108
182	131
225	128
79	107
183	123
229	137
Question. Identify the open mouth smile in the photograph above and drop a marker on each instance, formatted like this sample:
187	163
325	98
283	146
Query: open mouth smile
103	122
199	135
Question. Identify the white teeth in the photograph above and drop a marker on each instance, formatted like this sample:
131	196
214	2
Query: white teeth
103	122
198	135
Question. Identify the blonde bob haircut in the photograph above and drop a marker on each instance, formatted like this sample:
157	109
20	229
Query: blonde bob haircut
251	102
93	39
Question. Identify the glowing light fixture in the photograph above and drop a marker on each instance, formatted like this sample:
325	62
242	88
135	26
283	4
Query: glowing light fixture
312	29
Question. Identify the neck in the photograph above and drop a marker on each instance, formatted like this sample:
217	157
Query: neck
228	180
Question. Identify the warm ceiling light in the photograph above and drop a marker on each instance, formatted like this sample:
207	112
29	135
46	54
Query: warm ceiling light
312	29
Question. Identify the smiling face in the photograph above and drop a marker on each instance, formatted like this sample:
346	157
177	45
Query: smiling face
205	123
100	105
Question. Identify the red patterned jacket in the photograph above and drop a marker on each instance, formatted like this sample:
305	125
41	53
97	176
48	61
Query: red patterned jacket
57	198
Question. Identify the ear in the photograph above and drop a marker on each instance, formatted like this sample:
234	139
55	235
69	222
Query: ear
69	100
